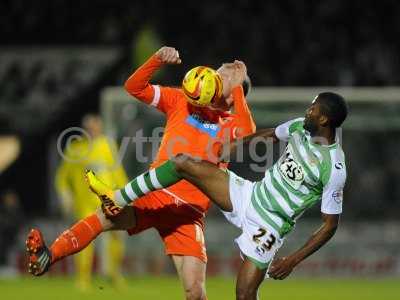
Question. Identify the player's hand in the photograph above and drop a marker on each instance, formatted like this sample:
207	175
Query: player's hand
168	55
239	74
281	267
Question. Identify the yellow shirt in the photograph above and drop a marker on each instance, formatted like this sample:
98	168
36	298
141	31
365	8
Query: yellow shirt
98	155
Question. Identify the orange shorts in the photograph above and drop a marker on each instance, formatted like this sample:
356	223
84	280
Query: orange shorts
181	226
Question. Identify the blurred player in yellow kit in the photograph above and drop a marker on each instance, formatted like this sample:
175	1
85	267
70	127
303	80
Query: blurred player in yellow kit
95	151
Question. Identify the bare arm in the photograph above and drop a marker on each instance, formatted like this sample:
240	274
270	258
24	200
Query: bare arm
282	267
230	147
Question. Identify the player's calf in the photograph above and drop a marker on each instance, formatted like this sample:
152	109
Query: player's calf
39	256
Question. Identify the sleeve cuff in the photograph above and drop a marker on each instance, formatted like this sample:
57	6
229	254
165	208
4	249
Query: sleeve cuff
331	211
281	133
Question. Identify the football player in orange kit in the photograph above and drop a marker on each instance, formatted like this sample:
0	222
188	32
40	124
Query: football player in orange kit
178	212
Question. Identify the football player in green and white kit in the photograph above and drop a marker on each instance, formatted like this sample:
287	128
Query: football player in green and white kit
311	169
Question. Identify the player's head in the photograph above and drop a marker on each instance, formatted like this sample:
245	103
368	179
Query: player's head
92	124
327	110
221	101
213	112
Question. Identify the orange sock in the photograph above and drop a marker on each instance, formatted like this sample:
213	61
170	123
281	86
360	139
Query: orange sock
76	238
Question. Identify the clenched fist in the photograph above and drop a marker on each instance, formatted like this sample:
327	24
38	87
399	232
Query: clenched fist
168	55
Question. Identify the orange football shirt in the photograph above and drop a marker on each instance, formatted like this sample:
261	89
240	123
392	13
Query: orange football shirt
187	129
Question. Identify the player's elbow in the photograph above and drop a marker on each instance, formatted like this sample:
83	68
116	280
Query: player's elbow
333	228
331	222
244	131
330	229
250	130
130	87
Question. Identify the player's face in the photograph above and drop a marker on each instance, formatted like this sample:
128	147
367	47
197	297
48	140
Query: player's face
93	126
311	120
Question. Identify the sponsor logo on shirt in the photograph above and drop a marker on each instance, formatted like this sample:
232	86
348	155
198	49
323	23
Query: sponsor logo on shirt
339	166
337	196
239	181
291	170
208	128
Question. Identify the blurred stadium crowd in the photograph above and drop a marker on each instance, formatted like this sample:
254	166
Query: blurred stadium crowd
56	56
338	41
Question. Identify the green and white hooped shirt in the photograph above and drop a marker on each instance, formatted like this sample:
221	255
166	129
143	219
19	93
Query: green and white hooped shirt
304	174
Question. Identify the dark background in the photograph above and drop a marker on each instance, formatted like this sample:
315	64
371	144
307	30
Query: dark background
283	43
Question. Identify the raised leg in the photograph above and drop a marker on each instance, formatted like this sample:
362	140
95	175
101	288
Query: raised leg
211	180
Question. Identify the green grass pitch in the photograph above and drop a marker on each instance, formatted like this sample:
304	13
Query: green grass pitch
62	288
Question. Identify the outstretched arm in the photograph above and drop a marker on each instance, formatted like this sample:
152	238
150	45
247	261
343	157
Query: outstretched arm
282	267
230	148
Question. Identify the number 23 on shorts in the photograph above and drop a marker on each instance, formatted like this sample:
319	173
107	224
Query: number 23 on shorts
268	243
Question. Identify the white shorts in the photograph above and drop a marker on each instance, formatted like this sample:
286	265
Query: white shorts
258	241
